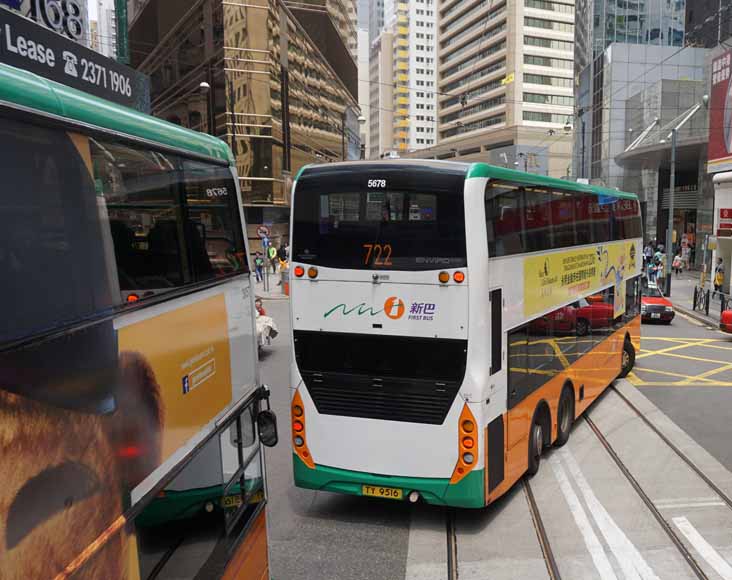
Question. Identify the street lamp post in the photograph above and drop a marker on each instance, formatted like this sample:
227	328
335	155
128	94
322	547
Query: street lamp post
672	188
670	226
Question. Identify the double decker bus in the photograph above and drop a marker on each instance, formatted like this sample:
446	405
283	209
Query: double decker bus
131	412
450	321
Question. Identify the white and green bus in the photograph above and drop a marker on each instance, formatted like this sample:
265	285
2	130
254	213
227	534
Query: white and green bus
450	321
131	412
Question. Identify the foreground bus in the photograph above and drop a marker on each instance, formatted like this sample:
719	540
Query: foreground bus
130	408
450	321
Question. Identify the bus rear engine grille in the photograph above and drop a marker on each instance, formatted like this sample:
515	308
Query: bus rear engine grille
390	399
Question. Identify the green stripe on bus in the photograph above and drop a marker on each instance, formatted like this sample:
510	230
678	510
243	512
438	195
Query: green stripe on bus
468	492
505	174
26	89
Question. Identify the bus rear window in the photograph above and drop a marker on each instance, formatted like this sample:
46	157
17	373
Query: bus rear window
392	230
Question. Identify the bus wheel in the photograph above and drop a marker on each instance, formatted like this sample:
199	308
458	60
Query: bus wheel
628	359
583	327
565	416
536	445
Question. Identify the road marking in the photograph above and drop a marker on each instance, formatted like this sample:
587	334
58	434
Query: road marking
630	559
592	542
670	374
691	505
663	350
707	551
689	319
426	548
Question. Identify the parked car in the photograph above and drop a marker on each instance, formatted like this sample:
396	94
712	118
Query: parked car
725	321
593	312
655	306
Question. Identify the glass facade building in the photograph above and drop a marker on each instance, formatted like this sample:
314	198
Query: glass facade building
275	95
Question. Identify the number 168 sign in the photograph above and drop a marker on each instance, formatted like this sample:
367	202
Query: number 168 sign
64	16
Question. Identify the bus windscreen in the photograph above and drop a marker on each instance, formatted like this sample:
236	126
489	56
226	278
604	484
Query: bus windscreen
380	230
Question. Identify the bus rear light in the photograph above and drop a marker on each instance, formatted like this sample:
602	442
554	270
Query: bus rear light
299	271
459	277
299	430
312	272
132	298
467	445
444	277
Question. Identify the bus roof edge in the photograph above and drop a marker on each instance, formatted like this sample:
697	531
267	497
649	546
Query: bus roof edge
26	89
478	170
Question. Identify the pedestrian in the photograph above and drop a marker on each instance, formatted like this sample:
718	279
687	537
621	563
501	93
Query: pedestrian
272	255
260	309
718	278
661	271
282	253
677	264
647	253
258	266
652	271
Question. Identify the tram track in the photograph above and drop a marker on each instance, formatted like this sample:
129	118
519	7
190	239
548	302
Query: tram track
673	535
551	563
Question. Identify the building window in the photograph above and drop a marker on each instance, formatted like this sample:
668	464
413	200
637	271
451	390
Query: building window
544	117
548	43
550	62
561	100
550	6
548	24
548	80
496	120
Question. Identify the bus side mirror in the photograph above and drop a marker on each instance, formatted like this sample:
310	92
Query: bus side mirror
267	427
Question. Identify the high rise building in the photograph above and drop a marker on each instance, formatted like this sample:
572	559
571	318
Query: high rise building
505	83
410	28
323	17
381	95
600	25
279	96
376	19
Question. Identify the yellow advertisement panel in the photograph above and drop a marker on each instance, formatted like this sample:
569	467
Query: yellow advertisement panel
184	357
551	280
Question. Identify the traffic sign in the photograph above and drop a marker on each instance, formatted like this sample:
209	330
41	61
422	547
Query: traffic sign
263	231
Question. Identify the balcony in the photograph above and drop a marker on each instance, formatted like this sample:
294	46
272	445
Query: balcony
402	100
402	123
402	30
402	54
402	66
402	42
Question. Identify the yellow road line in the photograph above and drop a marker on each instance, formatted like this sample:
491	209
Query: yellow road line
689	357
712	372
663	350
684	384
670	374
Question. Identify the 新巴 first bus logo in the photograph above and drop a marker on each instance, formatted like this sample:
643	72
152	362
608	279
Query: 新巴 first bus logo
394	308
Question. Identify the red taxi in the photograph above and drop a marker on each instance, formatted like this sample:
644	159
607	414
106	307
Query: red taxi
725	321
655	306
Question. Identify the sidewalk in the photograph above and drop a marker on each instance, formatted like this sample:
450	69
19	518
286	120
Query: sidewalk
682	296
275	292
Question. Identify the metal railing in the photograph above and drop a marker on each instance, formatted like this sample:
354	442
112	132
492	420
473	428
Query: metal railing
703	299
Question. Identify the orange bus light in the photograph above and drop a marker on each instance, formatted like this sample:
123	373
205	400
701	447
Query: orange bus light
468	426
299	271
459	277
468	458
312	272
444	277
468	442
297	411
299	441
132	298
297	426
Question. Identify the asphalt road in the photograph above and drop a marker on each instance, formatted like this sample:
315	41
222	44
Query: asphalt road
685	369
320	535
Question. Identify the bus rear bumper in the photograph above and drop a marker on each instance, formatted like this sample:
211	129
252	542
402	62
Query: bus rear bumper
468	493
